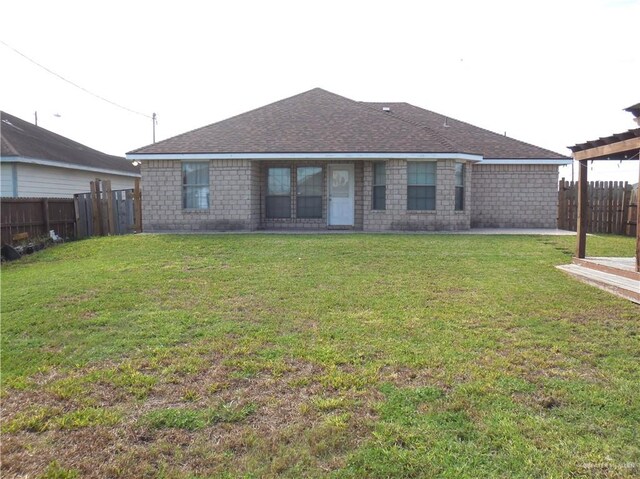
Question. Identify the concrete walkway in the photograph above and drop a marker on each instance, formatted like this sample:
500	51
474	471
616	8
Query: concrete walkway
513	231
473	231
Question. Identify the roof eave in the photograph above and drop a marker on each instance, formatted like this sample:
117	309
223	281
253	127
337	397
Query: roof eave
304	156
70	166
469	157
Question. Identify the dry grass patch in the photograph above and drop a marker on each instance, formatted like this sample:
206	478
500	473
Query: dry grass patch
203	422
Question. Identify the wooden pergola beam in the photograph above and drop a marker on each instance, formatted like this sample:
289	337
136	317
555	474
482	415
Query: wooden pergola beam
638	224
581	246
611	149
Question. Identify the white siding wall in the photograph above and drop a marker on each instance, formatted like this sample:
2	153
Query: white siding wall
6	179
52	182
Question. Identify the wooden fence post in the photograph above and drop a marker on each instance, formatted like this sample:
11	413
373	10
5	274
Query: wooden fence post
562	206
96	207
111	230
137	202
45	214
76	215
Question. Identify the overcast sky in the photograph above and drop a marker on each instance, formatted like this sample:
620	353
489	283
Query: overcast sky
549	72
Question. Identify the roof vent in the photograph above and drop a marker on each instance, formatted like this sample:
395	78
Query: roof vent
387	109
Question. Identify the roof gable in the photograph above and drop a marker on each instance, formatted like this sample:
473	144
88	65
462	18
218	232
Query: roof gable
26	140
318	121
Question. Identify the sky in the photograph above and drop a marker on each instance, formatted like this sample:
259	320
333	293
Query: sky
553	73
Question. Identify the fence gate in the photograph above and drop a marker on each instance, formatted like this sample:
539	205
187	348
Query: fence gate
104	211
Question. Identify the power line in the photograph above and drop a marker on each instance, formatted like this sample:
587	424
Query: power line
75	84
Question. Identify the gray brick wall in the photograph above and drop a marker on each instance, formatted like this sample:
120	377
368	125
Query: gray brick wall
234	197
397	217
514	196
495	196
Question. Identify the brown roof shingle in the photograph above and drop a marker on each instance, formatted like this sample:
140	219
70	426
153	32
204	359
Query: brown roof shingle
467	137
318	121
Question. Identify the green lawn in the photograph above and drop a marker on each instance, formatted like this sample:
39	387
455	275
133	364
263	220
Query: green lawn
343	356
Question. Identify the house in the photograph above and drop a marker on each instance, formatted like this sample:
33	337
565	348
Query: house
36	162
321	161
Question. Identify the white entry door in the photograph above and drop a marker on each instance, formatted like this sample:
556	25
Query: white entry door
341	195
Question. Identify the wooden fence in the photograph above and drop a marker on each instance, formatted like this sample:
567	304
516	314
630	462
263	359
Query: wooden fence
98	213
611	207
104	211
23	218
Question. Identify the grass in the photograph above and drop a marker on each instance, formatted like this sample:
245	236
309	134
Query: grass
312	356
193	419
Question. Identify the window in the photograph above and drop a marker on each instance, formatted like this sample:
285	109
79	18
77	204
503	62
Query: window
195	185
459	186
421	185
309	186
379	185
278	202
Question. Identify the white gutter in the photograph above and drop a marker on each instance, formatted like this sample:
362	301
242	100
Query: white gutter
302	156
526	161
70	166
344	156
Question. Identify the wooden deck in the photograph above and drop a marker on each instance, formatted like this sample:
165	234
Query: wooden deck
615	275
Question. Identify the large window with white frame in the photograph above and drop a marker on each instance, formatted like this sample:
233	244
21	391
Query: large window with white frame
278	201
195	185
421	185
459	187
309	192
379	185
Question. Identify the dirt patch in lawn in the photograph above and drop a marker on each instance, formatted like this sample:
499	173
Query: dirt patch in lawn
206	422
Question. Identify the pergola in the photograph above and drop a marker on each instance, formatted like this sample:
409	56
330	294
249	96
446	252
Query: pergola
621	146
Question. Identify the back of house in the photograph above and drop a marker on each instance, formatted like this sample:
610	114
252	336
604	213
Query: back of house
321	161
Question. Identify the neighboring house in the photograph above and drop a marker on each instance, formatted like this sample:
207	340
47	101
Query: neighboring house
321	161
36	162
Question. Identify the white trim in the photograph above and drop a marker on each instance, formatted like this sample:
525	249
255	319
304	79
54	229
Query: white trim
14	180
346	156
303	156
70	166
525	161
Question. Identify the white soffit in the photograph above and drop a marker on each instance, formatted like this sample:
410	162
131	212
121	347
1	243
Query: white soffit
526	161
304	156
70	166
347	156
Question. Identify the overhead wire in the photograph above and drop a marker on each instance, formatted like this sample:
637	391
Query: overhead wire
100	97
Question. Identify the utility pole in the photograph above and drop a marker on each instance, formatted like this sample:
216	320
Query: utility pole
155	121
36	115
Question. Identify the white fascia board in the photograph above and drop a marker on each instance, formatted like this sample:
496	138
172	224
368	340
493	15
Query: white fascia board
70	166
525	161
304	156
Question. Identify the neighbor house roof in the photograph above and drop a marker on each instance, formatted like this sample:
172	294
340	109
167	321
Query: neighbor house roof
319	121
26	142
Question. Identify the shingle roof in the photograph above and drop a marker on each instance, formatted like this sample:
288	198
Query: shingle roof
23	139
318	121
468	137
